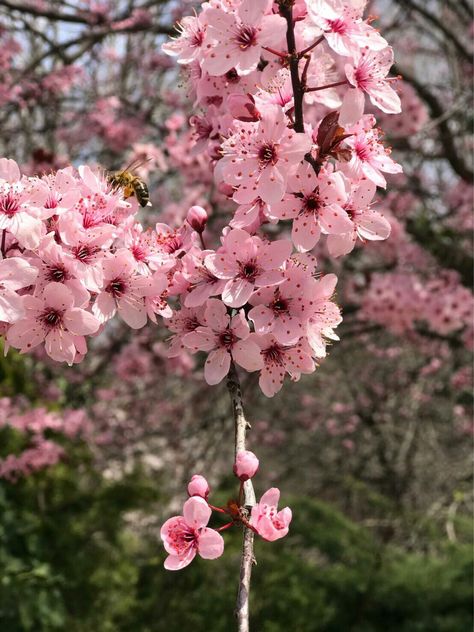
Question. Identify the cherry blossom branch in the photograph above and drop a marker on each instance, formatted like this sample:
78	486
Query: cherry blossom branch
286	11
247	558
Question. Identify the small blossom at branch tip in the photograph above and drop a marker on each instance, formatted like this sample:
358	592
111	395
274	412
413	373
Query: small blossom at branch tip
246	465
198	486
197	218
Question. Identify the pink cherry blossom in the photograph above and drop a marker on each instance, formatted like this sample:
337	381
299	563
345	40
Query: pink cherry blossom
202	283
369	157
183	322
20	204
280	359
246	465
15	274
198	486
343	28
188	46
197	218
235	40
368	224
315	203
247	262
226	338
368	76
54	319
270	523
185	536
283	310
259	156
125	292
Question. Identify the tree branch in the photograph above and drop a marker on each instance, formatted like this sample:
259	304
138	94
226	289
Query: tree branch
247	557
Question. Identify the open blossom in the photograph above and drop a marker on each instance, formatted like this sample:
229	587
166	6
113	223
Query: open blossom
368	76
226	338
280	359
367	224
235	40
188	46
369	157
20	203
284	309
246	262
259	157
125	292
344	30
54	319
185	536
202	283
183	322
15	274
270	523
315	203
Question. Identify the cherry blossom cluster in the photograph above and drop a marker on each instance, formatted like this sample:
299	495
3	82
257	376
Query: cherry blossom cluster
186	535
40	451
73	255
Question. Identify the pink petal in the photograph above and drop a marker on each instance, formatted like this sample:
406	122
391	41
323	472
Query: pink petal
196	512
217	366
237	292
352	107
80	322
210	544
177	562
58	296
248	355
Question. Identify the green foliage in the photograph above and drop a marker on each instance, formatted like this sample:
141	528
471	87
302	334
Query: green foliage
70	560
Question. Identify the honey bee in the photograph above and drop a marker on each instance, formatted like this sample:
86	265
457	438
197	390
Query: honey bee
131	183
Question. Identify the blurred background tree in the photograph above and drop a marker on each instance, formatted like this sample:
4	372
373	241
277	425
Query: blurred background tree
374	448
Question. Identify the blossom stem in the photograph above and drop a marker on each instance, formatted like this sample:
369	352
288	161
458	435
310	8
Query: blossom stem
227	525
203	243
4	238
329	85
219	509
275	52
247	557
310	48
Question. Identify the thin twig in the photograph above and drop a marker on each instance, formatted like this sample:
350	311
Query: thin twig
247	557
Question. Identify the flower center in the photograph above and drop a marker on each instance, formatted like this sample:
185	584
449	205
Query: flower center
246	37
56	273
273	355
280	305
116	287
311	203
9	204
227	339
249	270
338	26
267	154
51	318
232	76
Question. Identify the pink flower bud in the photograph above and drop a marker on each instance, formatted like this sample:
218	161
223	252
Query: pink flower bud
198	486
246	464
197	218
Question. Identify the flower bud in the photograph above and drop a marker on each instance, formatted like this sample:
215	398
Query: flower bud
246	464
197	218
198	486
